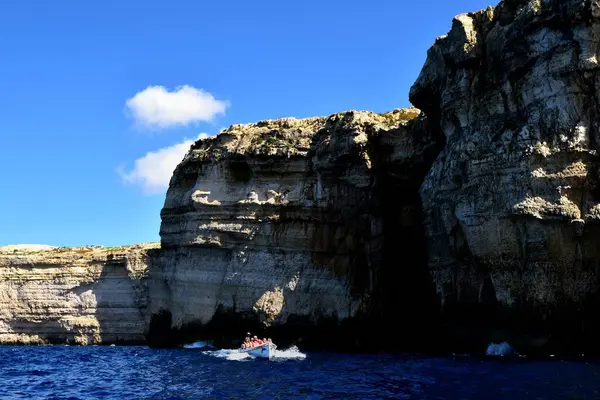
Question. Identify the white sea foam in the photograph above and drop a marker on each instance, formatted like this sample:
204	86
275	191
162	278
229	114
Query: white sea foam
293	353
500	349
228	354
198	345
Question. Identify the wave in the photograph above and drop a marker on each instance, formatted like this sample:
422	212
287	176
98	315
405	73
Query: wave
198	345
500	349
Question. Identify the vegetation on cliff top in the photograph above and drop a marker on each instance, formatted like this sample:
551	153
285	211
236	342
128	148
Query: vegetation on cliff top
24	249
288	137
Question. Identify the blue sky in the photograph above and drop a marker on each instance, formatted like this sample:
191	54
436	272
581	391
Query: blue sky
89	87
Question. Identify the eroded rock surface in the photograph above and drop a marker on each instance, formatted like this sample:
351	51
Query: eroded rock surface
80	296
512	203
300	223
283	220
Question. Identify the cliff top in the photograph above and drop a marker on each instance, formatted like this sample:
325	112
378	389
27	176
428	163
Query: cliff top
27	249
289	136
387	119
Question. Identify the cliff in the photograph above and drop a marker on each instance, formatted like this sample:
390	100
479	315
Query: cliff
80	296
511	205
286	224
474	221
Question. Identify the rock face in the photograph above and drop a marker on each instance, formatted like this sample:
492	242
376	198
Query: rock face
484	211
77	296
282	223
512	204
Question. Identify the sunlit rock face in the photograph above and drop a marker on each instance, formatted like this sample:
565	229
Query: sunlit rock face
282	221
511	205
77	296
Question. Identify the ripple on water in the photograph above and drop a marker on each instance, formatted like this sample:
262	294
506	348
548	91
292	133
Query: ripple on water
59	372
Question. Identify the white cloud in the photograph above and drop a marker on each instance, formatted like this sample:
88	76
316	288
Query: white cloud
156	107
154	170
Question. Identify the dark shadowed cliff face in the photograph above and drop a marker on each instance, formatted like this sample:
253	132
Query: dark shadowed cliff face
512	204
293	227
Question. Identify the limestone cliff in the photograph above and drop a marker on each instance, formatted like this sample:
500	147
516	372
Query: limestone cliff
486	208
282	222
512	205
80	296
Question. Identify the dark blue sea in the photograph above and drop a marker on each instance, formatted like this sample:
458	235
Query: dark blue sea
98	372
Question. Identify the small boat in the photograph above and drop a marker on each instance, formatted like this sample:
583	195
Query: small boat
265	350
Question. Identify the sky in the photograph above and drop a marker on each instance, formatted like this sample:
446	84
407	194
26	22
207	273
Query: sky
100	99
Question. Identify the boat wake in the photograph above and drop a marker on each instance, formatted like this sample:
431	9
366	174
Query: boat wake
234	355
293	353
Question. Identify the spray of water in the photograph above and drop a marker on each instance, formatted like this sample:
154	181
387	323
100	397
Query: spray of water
198	345
500	349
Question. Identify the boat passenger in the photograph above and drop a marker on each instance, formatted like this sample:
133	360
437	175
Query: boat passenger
246	343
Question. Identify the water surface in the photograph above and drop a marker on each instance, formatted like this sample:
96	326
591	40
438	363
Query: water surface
98	372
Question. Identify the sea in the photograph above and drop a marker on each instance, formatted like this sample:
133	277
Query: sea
200	372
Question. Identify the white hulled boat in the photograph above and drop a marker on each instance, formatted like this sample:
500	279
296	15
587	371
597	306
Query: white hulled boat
265	350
